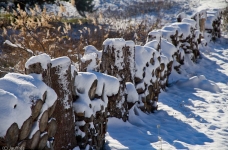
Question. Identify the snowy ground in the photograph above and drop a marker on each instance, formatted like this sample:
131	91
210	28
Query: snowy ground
187	6
192	114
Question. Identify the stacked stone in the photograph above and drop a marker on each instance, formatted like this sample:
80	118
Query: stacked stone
213	23
168	34
90	107
25	138
2	73
57	74
118	60
147	76
187	37
39	129
90	60
165	71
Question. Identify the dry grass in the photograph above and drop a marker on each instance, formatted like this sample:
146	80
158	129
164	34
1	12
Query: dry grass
47	33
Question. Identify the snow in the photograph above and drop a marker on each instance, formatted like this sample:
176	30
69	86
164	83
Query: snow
44	59
17	95
82	89
153	44
106	86
132	95
181	16
190	21
185	28
93	64
168	49
192	113
200	82
116	41
105	81
144	54
10	44
209	21
91	49
60	61
76	148
154	35
17	45
81	79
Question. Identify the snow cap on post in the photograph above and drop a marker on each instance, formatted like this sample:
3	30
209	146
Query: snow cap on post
44	59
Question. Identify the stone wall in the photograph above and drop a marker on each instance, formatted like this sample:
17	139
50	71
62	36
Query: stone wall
109	84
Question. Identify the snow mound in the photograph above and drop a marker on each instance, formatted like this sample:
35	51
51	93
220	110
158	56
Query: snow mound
104	81
44	59
106	86
168	49
153	44
154	35
91	49
185	28
144	55
132	95
116	41
190	21
60	61
200	82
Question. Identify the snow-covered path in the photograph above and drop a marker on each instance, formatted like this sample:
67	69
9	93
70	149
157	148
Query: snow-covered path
193	113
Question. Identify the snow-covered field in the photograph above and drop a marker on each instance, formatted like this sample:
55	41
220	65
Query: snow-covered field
192	114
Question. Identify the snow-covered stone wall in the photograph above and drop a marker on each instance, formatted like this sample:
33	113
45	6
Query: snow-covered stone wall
56	102
209	23
93	92
26	111
118	60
